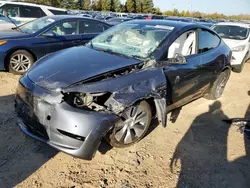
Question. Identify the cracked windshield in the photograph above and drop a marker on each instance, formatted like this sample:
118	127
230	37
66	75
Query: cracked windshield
133	40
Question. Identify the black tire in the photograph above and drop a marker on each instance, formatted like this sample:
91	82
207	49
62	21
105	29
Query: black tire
219	86
22	59
112	136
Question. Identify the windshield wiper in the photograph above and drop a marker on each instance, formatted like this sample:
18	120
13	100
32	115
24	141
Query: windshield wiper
91	44
136	57
116	53
15	28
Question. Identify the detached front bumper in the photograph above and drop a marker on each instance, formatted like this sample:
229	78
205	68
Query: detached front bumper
74	131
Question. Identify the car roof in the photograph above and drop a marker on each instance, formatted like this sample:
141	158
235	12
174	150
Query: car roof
119	18
31	4
62	17
234	24
175	24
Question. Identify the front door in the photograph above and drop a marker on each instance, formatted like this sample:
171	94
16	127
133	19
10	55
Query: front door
42	45
189	81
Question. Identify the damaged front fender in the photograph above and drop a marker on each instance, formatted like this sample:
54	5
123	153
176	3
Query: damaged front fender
128	89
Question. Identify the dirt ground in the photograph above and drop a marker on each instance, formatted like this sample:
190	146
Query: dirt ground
199	150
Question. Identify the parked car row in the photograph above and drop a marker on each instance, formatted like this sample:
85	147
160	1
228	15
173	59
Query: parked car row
237	37
23	45
115	85
24	12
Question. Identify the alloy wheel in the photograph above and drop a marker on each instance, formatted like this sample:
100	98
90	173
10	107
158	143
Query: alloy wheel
221	86
132	125
20	63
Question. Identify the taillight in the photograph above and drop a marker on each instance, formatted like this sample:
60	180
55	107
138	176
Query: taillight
148	18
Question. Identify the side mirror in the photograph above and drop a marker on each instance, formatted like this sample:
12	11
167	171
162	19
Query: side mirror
49	34
179	59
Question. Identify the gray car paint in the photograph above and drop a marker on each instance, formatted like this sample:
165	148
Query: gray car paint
143	83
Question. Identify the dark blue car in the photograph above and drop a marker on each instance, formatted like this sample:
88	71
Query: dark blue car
25	44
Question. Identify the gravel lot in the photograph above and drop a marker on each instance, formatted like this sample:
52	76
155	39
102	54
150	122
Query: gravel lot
199	150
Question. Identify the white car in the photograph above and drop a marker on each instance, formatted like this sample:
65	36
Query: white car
236	36
24	12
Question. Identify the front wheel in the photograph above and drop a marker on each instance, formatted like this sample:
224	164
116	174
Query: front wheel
132	127
20	62
219	86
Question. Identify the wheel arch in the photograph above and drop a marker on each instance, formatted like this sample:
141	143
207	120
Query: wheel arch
227	68
158	108
10	52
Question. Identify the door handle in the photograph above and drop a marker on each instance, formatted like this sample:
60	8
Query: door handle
76	41
177	80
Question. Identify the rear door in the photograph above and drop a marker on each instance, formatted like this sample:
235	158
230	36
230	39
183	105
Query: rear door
90	29
212	62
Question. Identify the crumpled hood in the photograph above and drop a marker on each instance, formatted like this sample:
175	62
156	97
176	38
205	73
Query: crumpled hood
69	66
234	43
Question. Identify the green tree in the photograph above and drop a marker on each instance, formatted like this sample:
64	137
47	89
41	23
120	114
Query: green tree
157	11
147	6
125	8
98	5
131	6
187	14
69	4
117	6
139	6
168	13
182	13
55	3
86	4
106	6
176	12
112	5
196	14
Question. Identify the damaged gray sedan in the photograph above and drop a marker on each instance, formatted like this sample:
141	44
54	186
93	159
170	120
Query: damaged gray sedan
114	86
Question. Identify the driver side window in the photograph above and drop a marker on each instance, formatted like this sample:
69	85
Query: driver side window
185	45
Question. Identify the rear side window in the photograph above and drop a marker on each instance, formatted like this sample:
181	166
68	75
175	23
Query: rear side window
10	10
31	12
57	12
207	41
90	27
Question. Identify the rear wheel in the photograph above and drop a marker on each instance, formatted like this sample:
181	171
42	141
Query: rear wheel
132	127
20	62
219	86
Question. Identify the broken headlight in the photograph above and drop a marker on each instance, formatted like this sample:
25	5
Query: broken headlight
82	99
91	101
